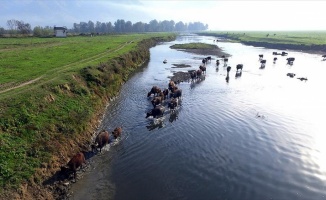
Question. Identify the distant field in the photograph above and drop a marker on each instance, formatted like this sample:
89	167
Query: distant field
278	37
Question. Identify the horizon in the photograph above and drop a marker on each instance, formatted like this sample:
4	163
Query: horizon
219	15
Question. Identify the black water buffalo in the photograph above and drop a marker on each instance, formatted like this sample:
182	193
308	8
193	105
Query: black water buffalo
290	60
263	61
239	67
291	75
274	59
75	162
324	57
226	59
203	68
176	93
156	112
155	90
193	75
117	132
199	73
261	56
228	69
217	62
302	79
284	53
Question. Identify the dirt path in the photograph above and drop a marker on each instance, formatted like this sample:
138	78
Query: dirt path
14	86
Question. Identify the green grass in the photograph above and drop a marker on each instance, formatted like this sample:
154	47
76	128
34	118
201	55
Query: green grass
193	46
77	77
280	37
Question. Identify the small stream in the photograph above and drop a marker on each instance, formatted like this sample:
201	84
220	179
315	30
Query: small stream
258	136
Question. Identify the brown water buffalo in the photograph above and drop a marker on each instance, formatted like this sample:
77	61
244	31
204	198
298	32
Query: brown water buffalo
117	132
193	75
156	112
155	90
199	73
75	162
102	139
172	105
171	85
239	67
157	101
176	93
165	93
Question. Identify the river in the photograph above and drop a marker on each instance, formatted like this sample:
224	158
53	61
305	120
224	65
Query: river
258	136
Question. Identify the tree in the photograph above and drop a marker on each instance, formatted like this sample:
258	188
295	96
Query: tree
12	25
119	26
138	27
24	28
153	26
128	27
91	26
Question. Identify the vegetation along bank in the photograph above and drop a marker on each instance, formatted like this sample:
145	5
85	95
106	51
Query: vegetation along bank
53	92
313	42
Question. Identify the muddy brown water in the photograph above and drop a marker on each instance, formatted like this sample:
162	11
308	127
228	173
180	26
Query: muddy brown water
260	135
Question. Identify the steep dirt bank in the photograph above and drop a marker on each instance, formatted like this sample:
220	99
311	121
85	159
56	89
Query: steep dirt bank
100	84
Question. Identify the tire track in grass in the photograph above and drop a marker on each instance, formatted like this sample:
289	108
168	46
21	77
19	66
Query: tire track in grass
60	70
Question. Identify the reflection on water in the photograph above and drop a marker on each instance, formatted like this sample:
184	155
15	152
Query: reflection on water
261	136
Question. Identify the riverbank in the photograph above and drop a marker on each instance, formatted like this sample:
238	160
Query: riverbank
45	123
309	42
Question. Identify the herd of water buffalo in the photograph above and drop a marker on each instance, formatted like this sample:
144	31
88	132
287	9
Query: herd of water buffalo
171	95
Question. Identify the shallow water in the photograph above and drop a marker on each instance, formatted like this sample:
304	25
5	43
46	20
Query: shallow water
258	136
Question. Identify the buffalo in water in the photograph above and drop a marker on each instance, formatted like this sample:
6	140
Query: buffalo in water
117	132
291	75
324	57
75	162
263	63
261	56
284	53
156	112
239	67
101	140
155	90
274	59
290	60
172	105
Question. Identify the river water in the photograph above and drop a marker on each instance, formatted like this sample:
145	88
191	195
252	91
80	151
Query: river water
258	136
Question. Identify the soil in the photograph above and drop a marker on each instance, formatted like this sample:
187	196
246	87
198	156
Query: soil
207	52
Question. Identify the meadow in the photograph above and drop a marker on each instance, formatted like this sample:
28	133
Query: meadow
52	93
315	39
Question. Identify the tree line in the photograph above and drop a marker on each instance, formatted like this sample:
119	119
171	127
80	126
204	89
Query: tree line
119	26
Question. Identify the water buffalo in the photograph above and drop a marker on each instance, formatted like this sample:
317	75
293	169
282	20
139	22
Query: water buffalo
290	60
156	112
165	93
165	61
284	53
239	67
217	62
117	132
263	62
102	139
302	79
203	68
171	85
176	93
228	69
274	59
157	101
75	162
291	75
324	57
199	73
155	90
261	56
173	104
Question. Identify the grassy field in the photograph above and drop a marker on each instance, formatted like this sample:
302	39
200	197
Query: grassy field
50	91
278	37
